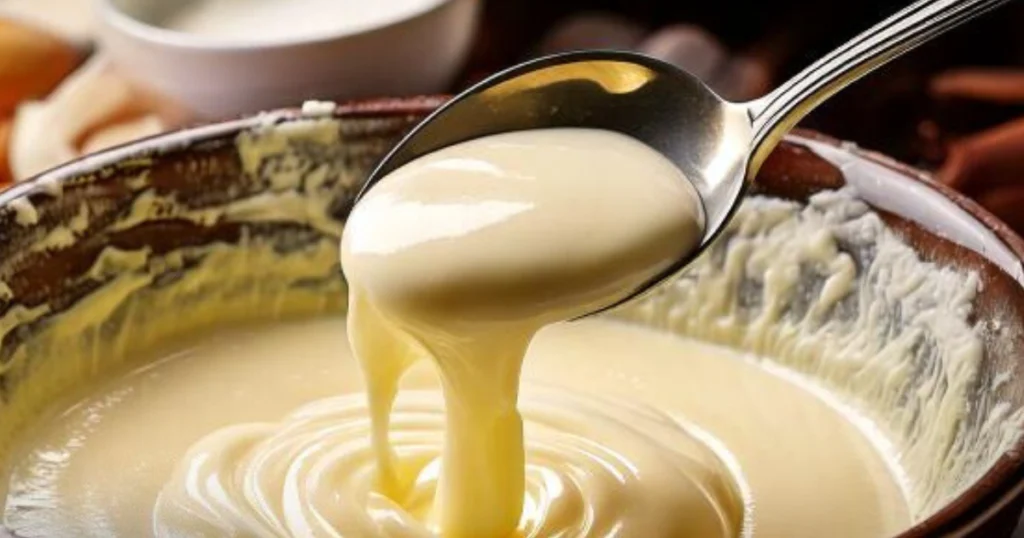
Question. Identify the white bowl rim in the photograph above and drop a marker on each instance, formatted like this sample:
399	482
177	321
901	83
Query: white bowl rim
114	17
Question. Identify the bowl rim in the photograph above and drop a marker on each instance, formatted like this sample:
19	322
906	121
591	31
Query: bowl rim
1000	485
116	19
1004	480
188	136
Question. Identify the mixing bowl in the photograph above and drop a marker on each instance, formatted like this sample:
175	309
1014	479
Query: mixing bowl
134	221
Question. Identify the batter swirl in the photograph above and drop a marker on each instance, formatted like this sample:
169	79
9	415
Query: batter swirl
594	468
459	258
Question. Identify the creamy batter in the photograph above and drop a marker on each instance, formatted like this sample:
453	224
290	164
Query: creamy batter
462	255
96	467
248	442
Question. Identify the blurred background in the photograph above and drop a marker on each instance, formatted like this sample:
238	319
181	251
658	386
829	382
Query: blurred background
904	110
955	106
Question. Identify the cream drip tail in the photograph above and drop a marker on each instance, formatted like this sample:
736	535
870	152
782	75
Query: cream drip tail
462	255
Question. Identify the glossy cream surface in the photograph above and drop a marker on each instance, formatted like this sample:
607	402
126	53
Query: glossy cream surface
98	465
460	257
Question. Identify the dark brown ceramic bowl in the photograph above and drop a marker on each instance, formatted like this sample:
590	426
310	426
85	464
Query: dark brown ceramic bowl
202	170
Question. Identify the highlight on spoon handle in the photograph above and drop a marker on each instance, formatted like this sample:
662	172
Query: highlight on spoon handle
776	113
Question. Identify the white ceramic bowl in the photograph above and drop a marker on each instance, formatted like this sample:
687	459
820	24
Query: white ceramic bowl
419	53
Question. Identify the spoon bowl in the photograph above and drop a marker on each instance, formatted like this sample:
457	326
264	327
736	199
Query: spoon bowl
719	145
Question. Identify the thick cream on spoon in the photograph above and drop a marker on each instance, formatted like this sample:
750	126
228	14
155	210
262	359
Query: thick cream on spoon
461	256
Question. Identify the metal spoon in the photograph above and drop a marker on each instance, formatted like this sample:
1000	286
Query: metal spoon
719	145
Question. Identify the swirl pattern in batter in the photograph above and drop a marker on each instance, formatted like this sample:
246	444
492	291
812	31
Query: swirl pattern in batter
594	468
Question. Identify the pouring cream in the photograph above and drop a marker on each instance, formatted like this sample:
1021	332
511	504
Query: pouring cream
463	255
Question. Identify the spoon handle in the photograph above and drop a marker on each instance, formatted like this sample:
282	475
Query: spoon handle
776	113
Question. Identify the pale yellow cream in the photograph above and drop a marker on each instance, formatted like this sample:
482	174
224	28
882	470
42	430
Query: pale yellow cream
273	418
462	255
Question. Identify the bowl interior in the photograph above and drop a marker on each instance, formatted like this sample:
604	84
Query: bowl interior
150	18
250	70
243	220
149	12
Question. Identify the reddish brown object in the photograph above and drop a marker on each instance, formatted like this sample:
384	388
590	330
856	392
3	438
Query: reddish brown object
987	160
1006	203
789	170
988	164
992	85
5	154
988	508
32	63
